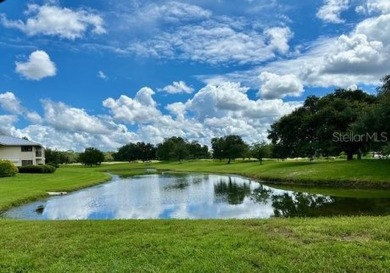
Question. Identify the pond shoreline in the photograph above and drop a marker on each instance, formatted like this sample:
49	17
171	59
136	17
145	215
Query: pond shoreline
285	181
86	177
198	195
342	184
364	174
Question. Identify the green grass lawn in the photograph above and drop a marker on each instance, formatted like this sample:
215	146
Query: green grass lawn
280	245
341	244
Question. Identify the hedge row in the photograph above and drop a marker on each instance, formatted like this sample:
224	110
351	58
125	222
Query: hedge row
37	169
7	168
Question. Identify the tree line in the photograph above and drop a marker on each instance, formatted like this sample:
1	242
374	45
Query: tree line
171	149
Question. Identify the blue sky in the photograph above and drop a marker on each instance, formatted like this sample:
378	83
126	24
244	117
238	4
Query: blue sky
76	74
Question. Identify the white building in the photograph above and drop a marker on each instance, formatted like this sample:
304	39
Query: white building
21	152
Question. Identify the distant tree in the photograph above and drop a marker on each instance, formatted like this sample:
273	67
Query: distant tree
234	147
146	151
173	148
108	156
71	156
260	151
128	152
374	121
51	156
164	150
230	147
91	156
56	157
382	111
385	87
136	151
217	146
197	151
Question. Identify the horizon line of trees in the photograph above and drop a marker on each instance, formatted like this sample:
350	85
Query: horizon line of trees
174	148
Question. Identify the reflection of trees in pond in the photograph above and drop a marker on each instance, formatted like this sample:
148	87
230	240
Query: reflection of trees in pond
298	204
180	182
196	180
311	205
232	192
261	194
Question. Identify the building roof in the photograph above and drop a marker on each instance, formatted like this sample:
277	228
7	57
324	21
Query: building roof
14	141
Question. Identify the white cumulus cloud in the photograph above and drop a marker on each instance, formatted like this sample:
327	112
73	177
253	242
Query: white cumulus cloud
331	11
216	100
178	87
275	86
279	38
10	103
141	109
376	29
56	21
374	6
64	117
7	124
61	139
354	54
37	67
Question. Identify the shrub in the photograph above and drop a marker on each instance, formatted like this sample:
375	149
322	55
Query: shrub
7	168
55	165
37	169
49	168
343	155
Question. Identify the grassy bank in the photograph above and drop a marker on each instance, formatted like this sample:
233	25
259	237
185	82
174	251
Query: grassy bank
27	187
280	245
338	173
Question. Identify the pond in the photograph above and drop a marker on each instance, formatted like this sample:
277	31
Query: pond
193	196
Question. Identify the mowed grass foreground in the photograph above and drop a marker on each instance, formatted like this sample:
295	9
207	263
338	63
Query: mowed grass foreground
341	244
359	244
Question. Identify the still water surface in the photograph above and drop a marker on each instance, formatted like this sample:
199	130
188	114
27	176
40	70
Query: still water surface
193	196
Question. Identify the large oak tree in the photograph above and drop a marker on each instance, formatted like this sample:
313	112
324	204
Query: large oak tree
323	126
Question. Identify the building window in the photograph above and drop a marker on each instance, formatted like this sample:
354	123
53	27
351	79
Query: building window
27	148
27	162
